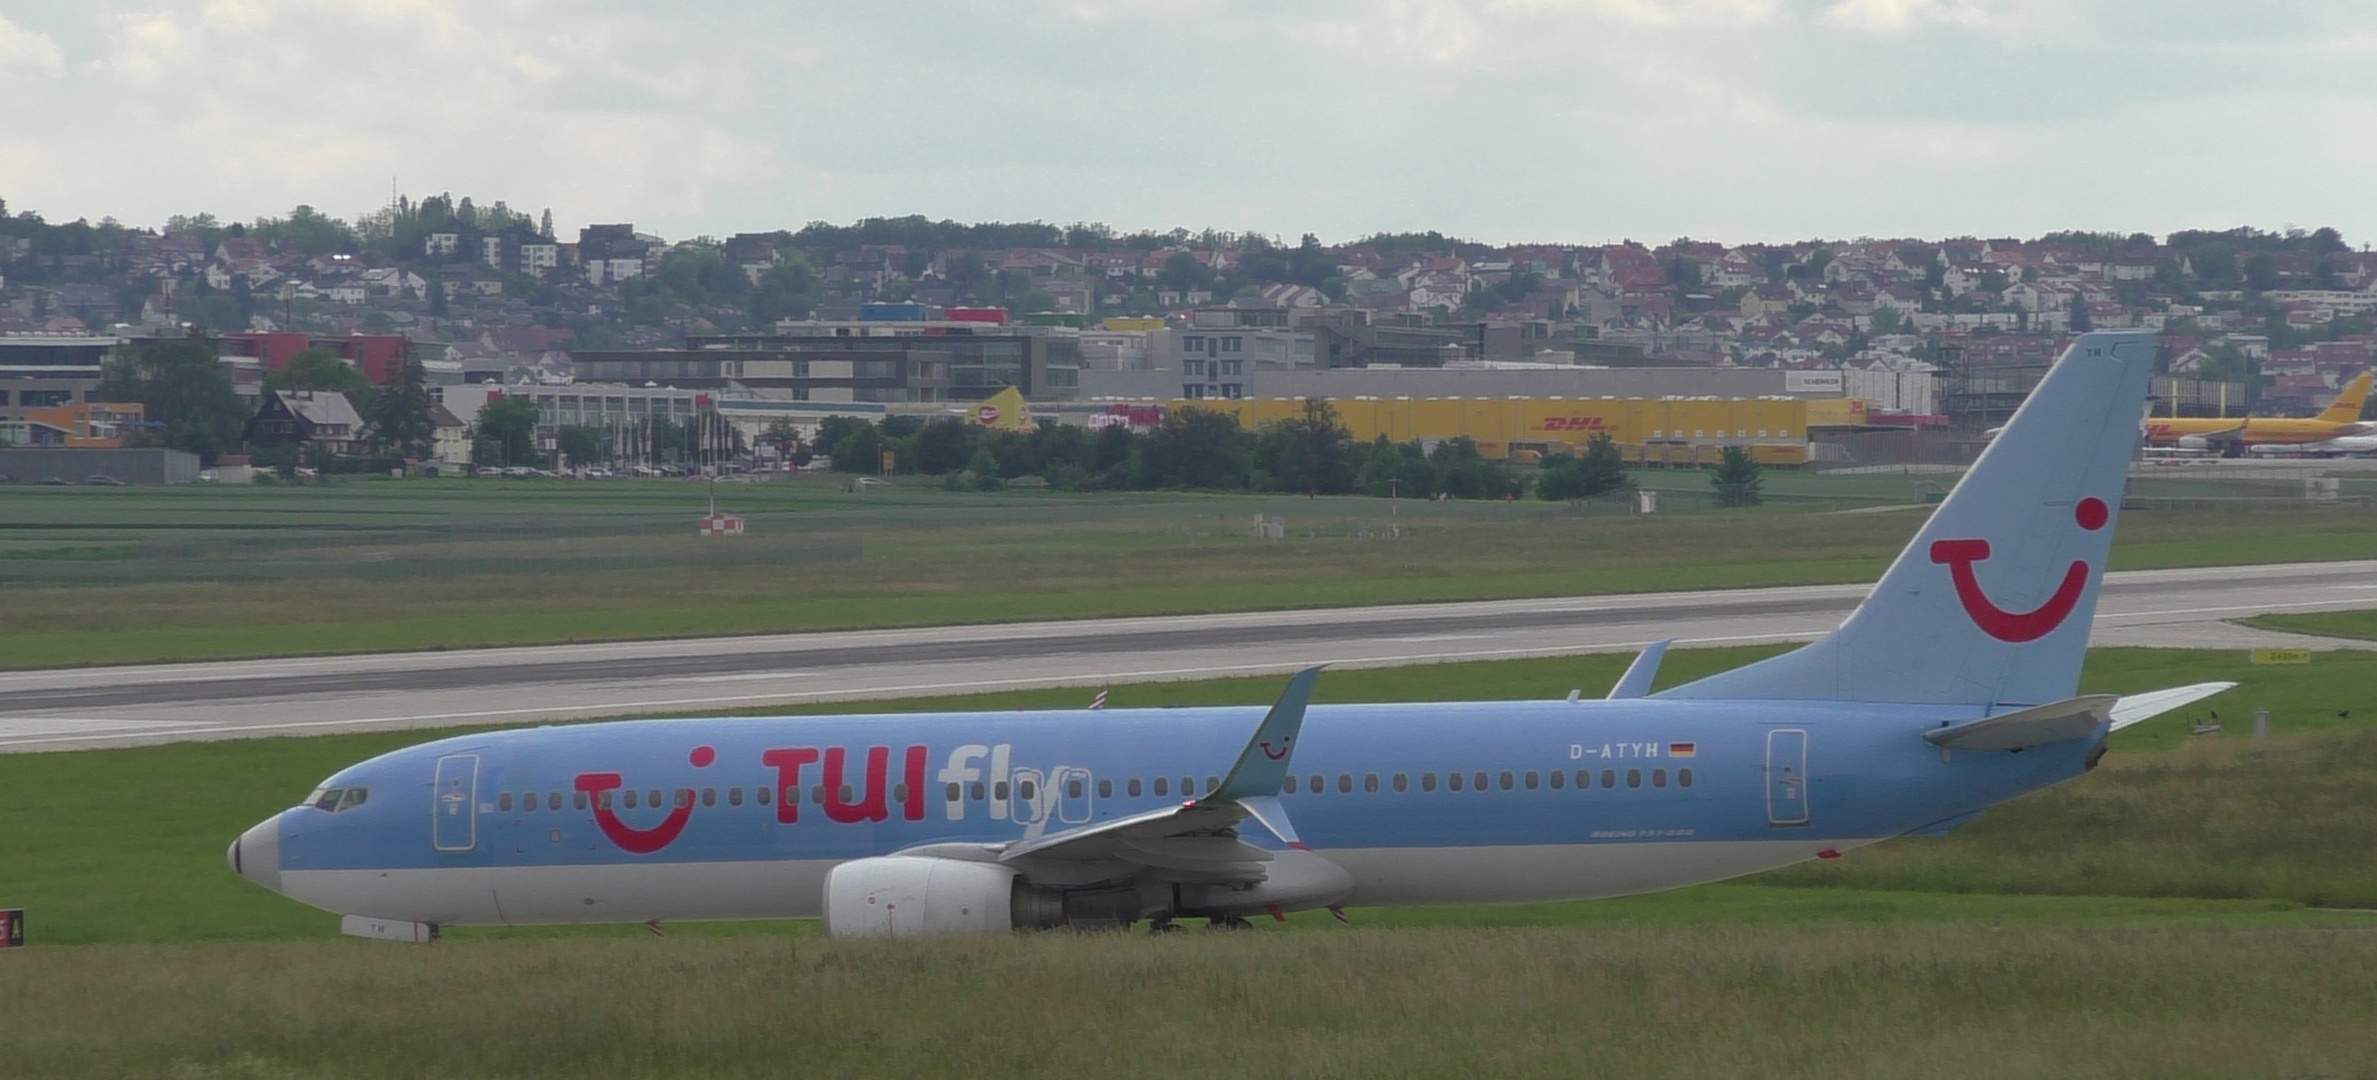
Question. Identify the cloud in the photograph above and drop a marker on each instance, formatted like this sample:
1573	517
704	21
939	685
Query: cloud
1501	119
24	50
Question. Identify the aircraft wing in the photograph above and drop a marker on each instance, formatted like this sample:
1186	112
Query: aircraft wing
1197	840
2135	708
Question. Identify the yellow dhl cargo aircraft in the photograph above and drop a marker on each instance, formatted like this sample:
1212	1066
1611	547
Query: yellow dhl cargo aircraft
2341	418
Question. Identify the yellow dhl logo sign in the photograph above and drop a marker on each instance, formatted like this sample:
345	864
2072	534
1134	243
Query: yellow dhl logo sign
1572	423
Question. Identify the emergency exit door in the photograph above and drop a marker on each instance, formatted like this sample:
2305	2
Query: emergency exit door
454	808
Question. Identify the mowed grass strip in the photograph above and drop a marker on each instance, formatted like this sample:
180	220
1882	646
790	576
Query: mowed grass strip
1823	1001
2344	624
217	574
127	845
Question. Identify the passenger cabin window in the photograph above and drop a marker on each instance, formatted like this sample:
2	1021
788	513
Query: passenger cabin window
631	799
1370	783
1402	783
1105	789
1609	778
1531	779
1508	782
603	799
849	796
976	791
1345	783
1162	786
655	798
1132	788
552	800
1188	785
1683	777
1658	778
1212	784
684	797
1289	785
899	793
1480	778
578	800
954	792
1315	781
998	790
1073	789
1634	778
1427	781
709	796
734	796
1452	781
1559	779
762	795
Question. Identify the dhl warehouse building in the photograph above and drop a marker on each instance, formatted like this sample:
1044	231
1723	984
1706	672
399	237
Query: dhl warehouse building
1650	431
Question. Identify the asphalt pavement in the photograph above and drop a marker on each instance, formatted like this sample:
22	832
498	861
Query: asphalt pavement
119	706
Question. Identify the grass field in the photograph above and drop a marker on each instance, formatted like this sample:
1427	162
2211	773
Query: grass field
130	575
1802	1001
2161	916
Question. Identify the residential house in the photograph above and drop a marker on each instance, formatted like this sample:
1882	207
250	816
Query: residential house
324	419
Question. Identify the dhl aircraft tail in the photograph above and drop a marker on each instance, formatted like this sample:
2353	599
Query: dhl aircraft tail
2347	406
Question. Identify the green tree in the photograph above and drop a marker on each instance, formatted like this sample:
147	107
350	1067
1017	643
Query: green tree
1308	453
944	446
1391	469
318	369
580	444
1737	478
399	412
1197	449
1601	470
2080	321
186	396
505	433
1464	473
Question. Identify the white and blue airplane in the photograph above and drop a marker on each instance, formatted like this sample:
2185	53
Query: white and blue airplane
1953	687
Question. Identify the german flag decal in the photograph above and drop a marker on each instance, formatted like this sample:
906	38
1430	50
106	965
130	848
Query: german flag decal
1681	749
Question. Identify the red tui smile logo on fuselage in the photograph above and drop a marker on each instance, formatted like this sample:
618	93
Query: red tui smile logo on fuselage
2018	626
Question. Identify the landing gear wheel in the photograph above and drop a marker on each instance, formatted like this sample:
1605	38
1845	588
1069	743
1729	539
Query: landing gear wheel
1229	922
1161	924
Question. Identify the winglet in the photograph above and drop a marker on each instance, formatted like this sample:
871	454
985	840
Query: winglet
1636	682
1263	765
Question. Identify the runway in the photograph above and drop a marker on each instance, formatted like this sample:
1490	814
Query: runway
93	707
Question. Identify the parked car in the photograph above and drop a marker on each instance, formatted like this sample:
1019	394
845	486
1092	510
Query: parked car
102	480
56	481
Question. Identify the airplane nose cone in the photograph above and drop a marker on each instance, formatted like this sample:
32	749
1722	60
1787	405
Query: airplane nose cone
256	855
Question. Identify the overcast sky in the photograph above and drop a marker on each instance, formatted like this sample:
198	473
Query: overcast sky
1500	120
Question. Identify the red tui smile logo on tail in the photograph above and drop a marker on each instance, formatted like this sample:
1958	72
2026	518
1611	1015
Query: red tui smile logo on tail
2018	626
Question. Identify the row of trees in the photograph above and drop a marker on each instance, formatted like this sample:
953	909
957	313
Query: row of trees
1202	449
192	406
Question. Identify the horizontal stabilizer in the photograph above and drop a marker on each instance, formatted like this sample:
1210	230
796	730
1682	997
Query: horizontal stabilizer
2038	725
2137	708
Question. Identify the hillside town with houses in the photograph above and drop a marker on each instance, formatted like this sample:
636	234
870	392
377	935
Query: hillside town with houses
892	316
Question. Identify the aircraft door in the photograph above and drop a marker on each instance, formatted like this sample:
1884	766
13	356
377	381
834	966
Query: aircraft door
1786	777
454	813
1031	799
1072	794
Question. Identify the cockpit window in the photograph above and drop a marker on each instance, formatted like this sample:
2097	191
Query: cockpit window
334	800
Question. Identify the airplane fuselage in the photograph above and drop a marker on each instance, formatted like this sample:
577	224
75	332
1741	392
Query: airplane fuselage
1418	803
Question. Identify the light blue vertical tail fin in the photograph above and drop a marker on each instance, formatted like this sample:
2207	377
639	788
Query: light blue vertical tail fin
1991	603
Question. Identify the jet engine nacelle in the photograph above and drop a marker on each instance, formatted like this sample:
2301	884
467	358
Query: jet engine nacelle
917	896
2194	442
